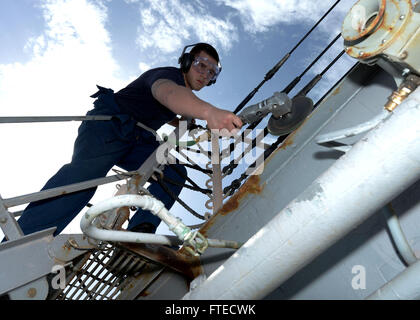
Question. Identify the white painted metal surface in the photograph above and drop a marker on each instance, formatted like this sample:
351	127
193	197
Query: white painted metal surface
405	286
378	168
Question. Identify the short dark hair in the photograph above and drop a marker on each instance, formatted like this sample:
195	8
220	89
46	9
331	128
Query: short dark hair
211	51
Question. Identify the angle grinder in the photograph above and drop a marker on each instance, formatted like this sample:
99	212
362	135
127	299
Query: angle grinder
286	114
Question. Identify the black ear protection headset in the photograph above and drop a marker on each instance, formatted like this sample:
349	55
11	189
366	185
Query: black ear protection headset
186	59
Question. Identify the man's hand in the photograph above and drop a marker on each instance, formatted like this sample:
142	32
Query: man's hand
222	119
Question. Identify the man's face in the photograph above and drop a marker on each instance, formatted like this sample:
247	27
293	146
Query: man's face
200	72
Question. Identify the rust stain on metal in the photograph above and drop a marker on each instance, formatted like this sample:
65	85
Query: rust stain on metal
288	141
32	293
390	36
364	30
336	91
374	27
144	293
66	249
365	55
207	225
137	179
176	260
252	185
123	214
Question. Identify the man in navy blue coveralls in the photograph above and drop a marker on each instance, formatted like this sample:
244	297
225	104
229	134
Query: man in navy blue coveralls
155	98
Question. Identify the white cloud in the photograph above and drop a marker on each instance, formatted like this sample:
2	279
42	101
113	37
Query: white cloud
68	59
143	67
334	73
166	26
169	24
74	53
260	15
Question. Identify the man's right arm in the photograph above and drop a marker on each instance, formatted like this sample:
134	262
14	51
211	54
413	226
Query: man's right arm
183	101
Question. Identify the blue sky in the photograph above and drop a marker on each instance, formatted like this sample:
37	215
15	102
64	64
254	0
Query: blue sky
54	52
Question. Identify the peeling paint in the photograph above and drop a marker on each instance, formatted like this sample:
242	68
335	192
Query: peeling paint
288	212
311	193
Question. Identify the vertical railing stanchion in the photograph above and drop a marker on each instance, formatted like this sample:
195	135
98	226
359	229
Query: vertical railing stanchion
217	173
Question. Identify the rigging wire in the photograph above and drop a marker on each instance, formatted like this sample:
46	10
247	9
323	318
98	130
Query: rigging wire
318	77
229	168
198	168
182	175
173	196
274	70
173	182
295	81
229	190
267	77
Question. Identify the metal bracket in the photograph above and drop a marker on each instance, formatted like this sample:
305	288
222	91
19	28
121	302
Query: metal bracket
25	259
8	223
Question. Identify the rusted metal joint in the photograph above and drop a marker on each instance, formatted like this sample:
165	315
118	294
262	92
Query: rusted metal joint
195	243
383	32
158	171
398	96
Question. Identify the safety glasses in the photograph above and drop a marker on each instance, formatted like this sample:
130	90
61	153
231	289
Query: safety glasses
204	66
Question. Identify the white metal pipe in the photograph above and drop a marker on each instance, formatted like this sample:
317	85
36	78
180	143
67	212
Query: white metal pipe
146	203
378	168
397	234
53	119
405	286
